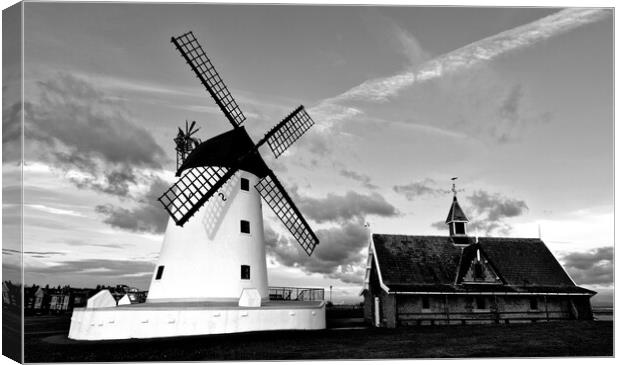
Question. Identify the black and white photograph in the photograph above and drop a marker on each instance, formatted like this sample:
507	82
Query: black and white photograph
306	181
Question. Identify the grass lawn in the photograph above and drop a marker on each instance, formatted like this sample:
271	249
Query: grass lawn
512	340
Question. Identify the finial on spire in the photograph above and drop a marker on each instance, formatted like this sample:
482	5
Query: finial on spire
454	185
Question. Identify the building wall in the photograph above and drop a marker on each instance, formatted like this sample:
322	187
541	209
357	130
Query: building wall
453	309
374	289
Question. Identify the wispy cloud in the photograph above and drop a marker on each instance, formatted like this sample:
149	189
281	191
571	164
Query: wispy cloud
462	59
417	189
363	179
385	30
56	211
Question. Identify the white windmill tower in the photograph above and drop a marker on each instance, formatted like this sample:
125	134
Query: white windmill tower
212	262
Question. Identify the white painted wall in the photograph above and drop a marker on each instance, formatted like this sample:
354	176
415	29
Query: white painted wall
202	260
88	324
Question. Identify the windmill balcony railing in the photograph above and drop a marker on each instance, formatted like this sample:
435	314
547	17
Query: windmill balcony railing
298	294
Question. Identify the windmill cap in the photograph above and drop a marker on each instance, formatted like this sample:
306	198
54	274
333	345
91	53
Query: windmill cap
225	150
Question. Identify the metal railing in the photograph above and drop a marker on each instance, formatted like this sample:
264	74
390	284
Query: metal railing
299	294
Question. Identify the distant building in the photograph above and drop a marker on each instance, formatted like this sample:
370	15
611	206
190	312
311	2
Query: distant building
35	300
458	279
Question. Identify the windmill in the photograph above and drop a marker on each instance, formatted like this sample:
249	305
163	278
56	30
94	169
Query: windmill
208	177
181	205
185	143
211	274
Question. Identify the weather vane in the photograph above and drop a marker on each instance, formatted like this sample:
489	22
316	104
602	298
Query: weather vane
454	185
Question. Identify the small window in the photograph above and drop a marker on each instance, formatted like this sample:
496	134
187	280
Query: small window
245	226
425	303
245	184
478	271
245	272
534	303
481	303
469	302
459	228
160	272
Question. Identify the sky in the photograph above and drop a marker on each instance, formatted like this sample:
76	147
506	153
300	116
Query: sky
515	102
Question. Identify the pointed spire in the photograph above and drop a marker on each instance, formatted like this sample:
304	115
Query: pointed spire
456	219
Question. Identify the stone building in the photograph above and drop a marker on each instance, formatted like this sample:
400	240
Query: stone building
458	279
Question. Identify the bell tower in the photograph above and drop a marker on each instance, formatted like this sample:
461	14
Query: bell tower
457	220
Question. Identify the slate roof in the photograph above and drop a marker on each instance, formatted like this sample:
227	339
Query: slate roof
431	263
456	213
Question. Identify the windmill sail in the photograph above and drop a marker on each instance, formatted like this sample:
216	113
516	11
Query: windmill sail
195	56
285	133
280	202
193	190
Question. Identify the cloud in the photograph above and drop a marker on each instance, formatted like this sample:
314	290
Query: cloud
440	225
479	52
52	210
73	113
496	206
363	179
340	252
148	216
76	128
462	59
591	267
73	242
420	188
8	251
12	132
338	256
338	208
44	254
513	116
385	30
489	211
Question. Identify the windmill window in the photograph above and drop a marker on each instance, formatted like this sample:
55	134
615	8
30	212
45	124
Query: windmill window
245	272
245	226
160	272
425	303
481	303
534	303
245	184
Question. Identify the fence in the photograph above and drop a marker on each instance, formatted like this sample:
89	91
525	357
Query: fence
300	294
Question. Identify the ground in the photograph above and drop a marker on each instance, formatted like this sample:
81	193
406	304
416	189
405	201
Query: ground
46	342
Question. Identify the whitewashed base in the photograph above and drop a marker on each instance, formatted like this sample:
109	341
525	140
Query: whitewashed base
150	320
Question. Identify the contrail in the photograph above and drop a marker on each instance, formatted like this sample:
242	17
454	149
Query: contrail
484	50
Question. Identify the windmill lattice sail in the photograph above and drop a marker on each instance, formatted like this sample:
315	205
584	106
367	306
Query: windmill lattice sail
197	59
288	131
280	202
192	190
